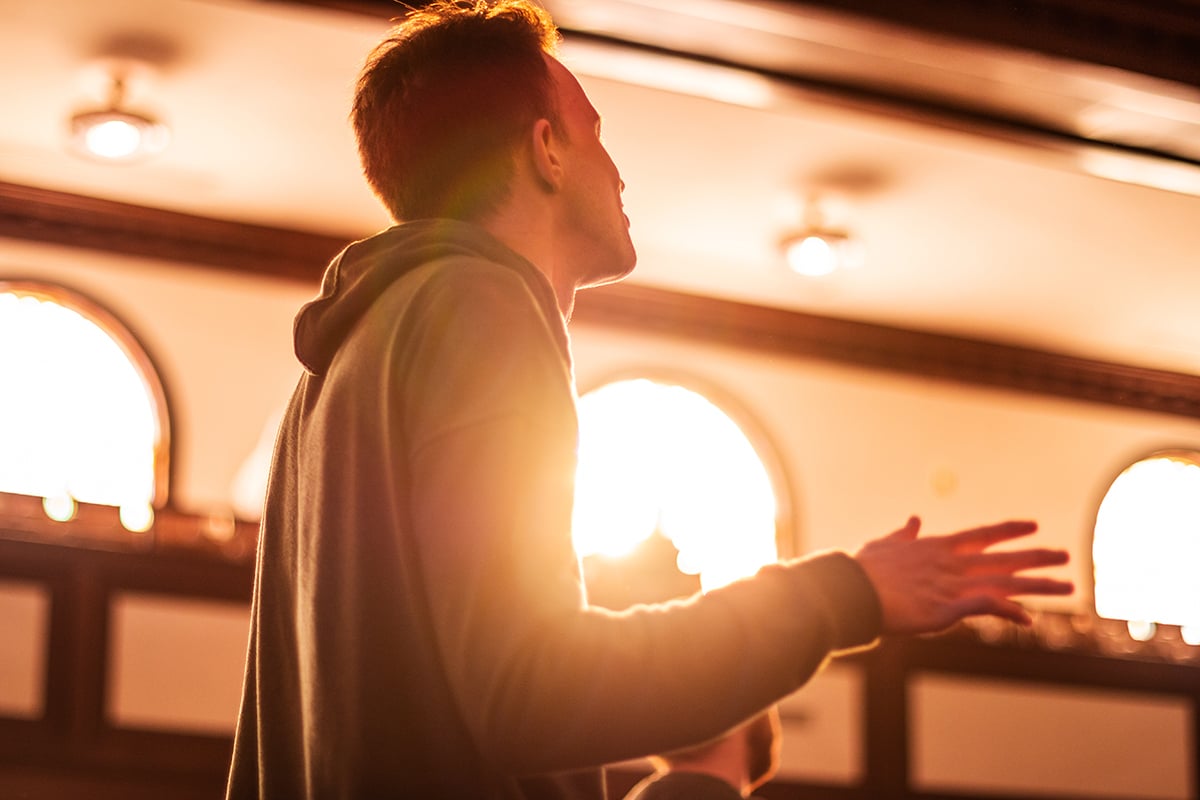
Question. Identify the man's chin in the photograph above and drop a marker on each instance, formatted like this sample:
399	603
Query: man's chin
614	276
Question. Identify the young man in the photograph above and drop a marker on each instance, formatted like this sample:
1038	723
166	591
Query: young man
418	626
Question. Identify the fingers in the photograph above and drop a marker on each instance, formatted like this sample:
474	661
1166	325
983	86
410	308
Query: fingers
985	536
1026	586
981	605
1003	586
1014	560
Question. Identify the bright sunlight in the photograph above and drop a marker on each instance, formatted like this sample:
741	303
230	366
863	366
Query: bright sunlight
661	457
77	421
1146	549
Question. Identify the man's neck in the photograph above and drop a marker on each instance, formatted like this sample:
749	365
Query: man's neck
528	232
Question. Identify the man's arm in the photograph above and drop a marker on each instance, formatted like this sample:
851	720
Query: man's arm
545	684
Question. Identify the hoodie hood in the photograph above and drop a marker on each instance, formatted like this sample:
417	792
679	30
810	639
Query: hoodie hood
361	272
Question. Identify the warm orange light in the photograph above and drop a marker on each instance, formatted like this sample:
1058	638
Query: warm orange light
114	133
660	457
816	248
59	507
137	517
814	254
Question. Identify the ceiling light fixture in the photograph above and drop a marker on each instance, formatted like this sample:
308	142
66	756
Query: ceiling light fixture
115	134
817	249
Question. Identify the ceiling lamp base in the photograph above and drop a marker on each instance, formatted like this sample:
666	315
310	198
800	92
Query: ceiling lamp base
816	249
816	253
115	135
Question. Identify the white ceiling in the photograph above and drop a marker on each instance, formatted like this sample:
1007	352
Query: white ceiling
967	229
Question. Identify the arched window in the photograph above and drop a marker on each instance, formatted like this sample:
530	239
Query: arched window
83	416
661	463
1146	549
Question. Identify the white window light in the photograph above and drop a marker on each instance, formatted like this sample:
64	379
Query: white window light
659	457
84	426
1147	546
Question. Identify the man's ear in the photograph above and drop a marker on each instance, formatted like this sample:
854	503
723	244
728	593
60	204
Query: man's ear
545	155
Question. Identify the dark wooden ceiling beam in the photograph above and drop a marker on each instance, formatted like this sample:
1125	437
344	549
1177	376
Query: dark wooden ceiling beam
1128	42
1160	38
89	223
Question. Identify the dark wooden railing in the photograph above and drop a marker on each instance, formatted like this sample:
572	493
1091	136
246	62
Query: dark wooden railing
72	749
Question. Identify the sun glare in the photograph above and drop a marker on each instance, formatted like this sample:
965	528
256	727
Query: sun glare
1146	549
661	457
78	422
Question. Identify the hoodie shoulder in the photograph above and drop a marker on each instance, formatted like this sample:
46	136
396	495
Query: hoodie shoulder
366	270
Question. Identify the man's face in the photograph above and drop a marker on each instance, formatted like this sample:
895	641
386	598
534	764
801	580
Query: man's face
592	188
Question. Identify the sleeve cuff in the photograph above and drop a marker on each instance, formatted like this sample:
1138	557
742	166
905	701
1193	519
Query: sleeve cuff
851	598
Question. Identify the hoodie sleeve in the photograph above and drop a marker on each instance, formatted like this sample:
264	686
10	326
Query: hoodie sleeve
486	420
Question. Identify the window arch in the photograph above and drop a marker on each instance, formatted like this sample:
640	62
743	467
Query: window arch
662	463
87	419
1146	546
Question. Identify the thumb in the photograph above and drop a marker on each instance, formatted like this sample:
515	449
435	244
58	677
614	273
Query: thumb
909	531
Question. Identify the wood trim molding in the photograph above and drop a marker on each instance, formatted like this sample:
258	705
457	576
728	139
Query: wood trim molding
1159	37
1152	37
914	352
91	223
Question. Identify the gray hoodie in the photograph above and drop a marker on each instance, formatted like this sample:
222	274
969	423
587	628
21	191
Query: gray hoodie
419	627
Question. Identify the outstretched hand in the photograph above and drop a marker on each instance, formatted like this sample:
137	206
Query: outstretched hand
927	584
